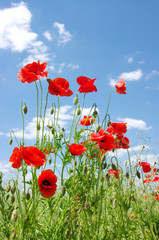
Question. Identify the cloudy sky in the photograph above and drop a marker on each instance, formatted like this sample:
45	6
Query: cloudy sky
103	39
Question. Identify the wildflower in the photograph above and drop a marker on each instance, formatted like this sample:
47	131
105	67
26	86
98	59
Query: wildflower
147	181
32	156
121	87
32	72
132	216
76	149
59	87
147	175
117	129
97	136
157	196
115	173
86	84
86	121
145	166
123	143
107	143
154	171
47	183
156	179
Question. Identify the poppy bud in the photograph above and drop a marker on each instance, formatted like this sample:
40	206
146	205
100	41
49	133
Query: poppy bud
52	131
49	126
38	126
78	111
138	174
85	168
13	189
63	130
12	199
50	161
92	120
14	215
95	114
97	128
114	203
107	176
108	123
104	165
63	190
114	167
86	205
48	80
8	188
10	141
127	175
75	101
25	109
7	196
26	219
27	196
75	162
51	110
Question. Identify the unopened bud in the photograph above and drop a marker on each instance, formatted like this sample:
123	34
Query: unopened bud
92	120
8	188
108	123
38	126
12	199
27	196
13	189
10	141
78	111
104	165
49	126
52	131
107	176
51	110
138	174
7	196
50	161
114	167
75	162
97	127
95	114
85	168
25	109
127	175
63	190
48	80
75	101
14	215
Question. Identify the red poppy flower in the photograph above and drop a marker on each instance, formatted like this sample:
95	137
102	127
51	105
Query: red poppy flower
107	143
31	155
157	196
156	179
86	84
123	143
97	136
132	216
47	183
76	149
86	121
147	181
154	171
115	173
121	87
117	128
59	87
145	166
32	72
147	176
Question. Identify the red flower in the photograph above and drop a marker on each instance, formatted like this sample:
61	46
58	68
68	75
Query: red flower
76	149
97	136
147	175
115	173
154	171
145	166
47	183
156	179
86	121
107	143
157	196
121	87
59	87
147	181
32	156
117	128
32	72
86	84
122	143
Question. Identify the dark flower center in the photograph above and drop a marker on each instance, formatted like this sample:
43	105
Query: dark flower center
46	183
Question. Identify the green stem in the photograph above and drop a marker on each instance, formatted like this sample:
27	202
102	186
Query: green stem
37	99
44	118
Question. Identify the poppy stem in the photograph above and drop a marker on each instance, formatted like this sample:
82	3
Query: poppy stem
23	121
44	118
37	100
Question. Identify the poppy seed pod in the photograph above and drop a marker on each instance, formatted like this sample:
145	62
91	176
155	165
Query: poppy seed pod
14	215
10	141
8	188
25	109
51	110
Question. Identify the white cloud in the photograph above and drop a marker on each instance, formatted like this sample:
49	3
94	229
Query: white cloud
60	69
141	62
1	133
150	158
73	66
130	60
48	36
132	76
134	123
152	74
4	167
64	36
16	33
112	82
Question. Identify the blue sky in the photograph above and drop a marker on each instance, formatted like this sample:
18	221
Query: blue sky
100	39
